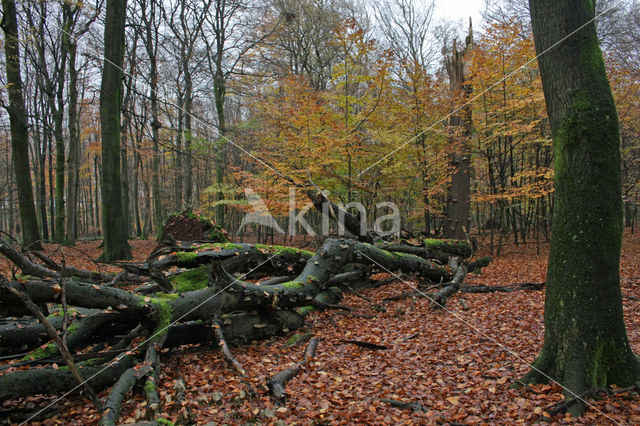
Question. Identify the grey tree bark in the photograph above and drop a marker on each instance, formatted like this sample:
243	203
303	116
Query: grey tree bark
116	245
19	133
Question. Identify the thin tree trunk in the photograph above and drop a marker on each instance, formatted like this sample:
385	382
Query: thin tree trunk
74	144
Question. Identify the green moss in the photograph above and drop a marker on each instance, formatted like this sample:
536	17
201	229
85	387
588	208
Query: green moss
433	243
397	255
304	310
292	284
193	279
186	256
25	277
149	387
162	315
165	422
167	296
222	246
217	234
91	362
60	313
42	353
284	249
52	348
296	338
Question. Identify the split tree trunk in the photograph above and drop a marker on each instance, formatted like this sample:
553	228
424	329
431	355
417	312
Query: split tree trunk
457	210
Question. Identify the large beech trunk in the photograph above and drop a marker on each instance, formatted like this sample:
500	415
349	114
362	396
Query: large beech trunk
585	343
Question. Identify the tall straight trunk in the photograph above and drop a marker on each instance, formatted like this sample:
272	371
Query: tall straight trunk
136	195
19	133
96	170
52	196
9	213
57	107
74	143
220	92
116	245
585	344
458	206
151	45
178	184
124	138
40	150
188	137
125	184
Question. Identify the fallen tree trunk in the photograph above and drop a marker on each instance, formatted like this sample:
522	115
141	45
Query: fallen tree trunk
245	311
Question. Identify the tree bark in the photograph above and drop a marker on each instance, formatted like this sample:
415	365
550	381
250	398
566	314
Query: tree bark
19	133
457	211
74	136
585	345
116	245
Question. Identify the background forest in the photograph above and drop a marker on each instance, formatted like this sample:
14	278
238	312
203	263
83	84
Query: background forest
220	96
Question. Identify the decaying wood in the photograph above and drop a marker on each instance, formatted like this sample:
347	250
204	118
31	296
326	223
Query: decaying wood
277	382
439	299
242	311
352	224
228	356
413	406
119	392
62	347
366	345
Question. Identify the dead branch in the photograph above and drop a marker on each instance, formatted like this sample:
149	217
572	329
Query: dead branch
277	382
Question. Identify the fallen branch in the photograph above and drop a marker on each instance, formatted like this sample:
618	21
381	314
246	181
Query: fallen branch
120	390
152	359
439	299
367	345
413	406
277	382
228	356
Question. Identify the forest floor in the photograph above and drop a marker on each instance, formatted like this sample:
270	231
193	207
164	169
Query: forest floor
457	363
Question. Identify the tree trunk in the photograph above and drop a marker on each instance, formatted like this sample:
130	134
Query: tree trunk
457	214
188	136
57	108
19	133
151	46
585	345
74	141
116	245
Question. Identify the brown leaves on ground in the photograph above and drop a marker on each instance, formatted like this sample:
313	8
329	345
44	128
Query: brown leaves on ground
456	363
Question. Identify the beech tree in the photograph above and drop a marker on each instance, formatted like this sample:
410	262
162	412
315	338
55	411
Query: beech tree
585	345
19	133
113	221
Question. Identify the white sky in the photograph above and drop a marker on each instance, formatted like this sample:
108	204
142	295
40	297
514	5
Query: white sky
460	10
